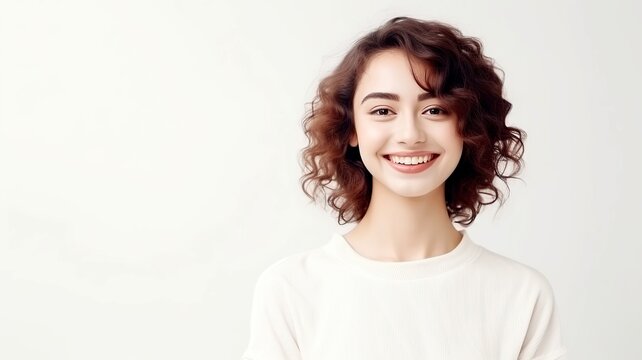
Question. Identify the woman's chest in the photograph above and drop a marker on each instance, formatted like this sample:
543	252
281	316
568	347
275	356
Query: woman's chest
376	322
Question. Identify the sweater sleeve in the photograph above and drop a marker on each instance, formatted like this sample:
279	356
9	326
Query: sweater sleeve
543	338
272	334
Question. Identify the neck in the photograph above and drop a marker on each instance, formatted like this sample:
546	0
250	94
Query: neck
397	228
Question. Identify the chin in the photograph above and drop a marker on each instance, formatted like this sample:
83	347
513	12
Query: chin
412	191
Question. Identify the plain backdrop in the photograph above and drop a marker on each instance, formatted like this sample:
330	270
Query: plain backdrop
149	164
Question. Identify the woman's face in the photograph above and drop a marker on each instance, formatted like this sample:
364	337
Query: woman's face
399	126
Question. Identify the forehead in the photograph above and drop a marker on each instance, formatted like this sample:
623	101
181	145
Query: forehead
392	69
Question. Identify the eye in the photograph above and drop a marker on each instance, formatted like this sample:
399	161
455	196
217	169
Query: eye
435	111
381	112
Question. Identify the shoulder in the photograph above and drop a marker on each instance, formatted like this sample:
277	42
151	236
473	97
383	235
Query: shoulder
294	268
525	292
513	273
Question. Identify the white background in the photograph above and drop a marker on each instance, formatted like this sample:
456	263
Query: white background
149	164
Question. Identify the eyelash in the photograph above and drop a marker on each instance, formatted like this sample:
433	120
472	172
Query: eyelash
375	111
443	112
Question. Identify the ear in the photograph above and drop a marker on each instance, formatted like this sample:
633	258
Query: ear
353	140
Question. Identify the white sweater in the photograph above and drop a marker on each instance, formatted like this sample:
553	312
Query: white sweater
331	303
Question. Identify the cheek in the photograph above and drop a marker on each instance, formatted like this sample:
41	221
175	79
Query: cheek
450	137
371	138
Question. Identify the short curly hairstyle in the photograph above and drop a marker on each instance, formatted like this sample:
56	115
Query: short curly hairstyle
460	75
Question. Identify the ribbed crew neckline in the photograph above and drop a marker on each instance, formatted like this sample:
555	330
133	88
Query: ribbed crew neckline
466	251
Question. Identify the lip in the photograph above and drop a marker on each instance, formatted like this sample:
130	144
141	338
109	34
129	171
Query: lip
411	169
411	153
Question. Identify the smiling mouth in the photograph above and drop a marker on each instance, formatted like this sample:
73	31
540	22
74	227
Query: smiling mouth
410	160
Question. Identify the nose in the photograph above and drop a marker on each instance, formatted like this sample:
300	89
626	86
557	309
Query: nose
409	130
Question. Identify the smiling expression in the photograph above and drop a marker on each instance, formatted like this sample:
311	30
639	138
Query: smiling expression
398	124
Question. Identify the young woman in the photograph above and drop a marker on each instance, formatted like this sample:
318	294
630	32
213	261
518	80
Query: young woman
405	137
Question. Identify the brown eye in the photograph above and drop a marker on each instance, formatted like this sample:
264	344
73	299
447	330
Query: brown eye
435	111
381	112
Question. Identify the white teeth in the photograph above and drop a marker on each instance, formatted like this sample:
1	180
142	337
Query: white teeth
410	160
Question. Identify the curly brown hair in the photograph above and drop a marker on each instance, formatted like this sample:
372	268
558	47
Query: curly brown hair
460	75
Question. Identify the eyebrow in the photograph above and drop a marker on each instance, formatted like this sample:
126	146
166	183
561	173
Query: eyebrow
395	97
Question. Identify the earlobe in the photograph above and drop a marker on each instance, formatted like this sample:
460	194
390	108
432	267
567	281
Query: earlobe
353	141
